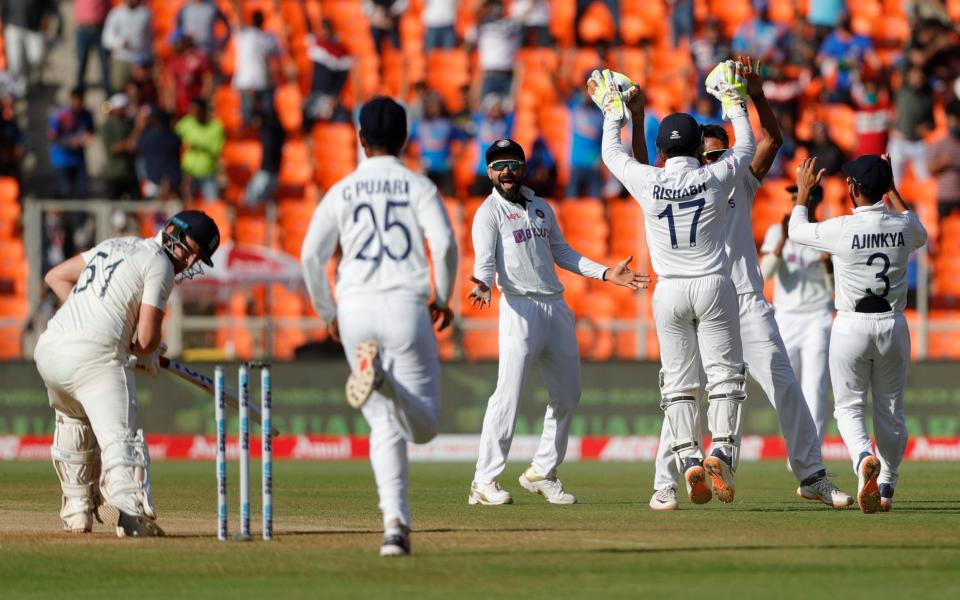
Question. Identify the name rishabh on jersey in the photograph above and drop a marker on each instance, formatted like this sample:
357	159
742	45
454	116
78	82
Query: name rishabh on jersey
120	275
685	204
872	248
381	215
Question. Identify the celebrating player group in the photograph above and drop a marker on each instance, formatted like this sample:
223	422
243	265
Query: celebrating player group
713	323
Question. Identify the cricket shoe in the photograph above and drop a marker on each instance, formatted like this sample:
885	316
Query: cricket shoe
721	476
129	525
868	493
696	477
824	490
396	540
368	376
548	487
488	494
886	497
81	522
664	499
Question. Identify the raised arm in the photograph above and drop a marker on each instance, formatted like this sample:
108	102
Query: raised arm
771	139
636	102
823	236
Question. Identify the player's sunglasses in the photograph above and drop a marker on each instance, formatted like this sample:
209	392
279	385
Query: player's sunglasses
712	156
499	165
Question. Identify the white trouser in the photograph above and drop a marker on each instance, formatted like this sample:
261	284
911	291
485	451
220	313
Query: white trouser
88	382
806	336
767	362
401	326
903	151
532	331
697	325
871	351
24	50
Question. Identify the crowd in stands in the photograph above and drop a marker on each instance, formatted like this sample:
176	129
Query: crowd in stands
239	103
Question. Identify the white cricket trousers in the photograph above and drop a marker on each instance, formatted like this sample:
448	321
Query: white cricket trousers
88	380
401	326
806	336
532	331
768	364
871	351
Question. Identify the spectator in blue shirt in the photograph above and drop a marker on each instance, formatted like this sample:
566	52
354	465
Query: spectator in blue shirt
761	38
159	149
586	130
69	130
435	134
706	111
541	170
489	125
841	57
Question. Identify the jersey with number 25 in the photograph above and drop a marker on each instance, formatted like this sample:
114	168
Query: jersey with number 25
872	247
120	275
381	214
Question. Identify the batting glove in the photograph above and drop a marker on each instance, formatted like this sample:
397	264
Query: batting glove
150	364
730	88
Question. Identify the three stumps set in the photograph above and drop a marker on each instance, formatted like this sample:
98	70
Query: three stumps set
244	451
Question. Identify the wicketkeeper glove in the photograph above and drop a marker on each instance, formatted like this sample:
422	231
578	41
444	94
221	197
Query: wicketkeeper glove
724	84
608	93
150	364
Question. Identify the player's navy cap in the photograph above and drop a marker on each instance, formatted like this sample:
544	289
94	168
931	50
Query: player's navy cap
678	131
872	175
383	122
199	227
815	194
504	147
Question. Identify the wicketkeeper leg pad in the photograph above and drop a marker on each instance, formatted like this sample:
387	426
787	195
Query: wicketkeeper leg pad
76	459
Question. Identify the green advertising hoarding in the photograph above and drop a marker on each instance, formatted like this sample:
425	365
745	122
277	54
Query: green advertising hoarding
619	398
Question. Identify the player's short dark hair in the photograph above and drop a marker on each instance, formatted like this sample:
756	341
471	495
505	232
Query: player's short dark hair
716	132
383	124
258	19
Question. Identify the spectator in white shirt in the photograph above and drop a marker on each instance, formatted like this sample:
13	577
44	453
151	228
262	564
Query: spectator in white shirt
439	17
535	17
198	19
128	36
254	78
497	37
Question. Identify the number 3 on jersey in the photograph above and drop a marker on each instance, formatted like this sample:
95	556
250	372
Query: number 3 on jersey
668	213
389	222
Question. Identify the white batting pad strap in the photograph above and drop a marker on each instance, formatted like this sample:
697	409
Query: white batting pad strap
74	457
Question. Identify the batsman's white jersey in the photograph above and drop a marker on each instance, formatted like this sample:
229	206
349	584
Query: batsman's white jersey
381	214
764	353
520	242
803	303
868	349
84	359
694	304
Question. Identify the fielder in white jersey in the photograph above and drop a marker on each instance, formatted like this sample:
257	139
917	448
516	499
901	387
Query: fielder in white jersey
685	208
803	307
870	345
516	238
381	215
763	349
112	303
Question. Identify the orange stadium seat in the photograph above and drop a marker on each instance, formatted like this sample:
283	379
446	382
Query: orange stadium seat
289	106
563	16
9	219
9	190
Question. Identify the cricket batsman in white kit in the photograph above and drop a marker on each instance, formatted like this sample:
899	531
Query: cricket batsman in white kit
517	238
112	303
685	207
763	349
803	307
870	342
381	214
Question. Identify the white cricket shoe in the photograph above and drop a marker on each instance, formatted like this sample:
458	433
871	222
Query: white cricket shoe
721	477
129	525
549	488
368	377
396	540
664	499
824	490
868	493
488	494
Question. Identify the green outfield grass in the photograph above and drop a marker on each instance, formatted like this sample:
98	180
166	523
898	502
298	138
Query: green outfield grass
767	544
